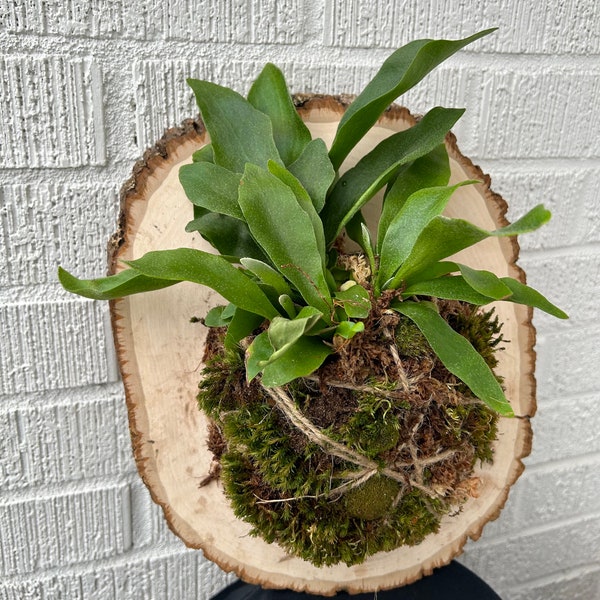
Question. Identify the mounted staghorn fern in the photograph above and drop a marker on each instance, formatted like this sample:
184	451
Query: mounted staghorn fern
380	360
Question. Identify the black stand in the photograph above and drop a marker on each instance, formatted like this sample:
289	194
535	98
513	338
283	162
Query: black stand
452	582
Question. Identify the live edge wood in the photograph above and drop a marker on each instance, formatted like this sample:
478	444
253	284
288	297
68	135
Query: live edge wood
160	352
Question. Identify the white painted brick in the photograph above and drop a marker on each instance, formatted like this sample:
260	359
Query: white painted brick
549	493
566	428
182	575
82	435
561	28
512	123
170	577
241	21
589	223
43	226
558	277
556	493
12	465
150	528
576	585
535	554
51	109
570	194
63	529
54	344
570	364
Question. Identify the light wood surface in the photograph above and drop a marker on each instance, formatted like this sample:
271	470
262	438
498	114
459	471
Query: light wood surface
160	358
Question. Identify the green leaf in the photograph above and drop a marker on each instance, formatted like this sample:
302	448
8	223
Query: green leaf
431	170
229	236
443	237
448	288
286	233
285	332
438	269
530	221
124	283
241	325
407	225
267	274
457	288
228	312
522	294
186	264
358	232
288	305
457	355
304	201
359	184
400	72
212	187
258	353
355	301
348	329
269	94
239	132
485	283
205	154
315	171
214	317
301	359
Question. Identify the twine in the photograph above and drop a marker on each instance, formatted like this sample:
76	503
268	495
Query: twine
367	467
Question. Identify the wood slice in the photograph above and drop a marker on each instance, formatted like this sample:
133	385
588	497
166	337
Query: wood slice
160	356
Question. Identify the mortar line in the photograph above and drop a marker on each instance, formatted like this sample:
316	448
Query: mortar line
585	459
69	488
572	573
61	397
524	165
561	251
538	529
23	41
93	566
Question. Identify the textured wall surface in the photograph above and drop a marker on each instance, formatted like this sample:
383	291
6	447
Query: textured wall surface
87	85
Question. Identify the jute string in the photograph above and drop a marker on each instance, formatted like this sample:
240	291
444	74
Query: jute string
367	468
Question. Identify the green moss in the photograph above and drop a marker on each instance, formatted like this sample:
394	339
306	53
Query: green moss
262	435
373	428
373	499
409	339
477	424
482	329
319	530
222	378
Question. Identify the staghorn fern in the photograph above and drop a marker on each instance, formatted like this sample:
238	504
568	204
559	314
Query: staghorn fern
270	200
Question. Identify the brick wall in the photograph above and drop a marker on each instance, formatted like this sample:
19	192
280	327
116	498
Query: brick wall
87	85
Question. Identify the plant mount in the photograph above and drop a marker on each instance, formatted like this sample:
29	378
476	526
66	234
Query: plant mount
274	210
